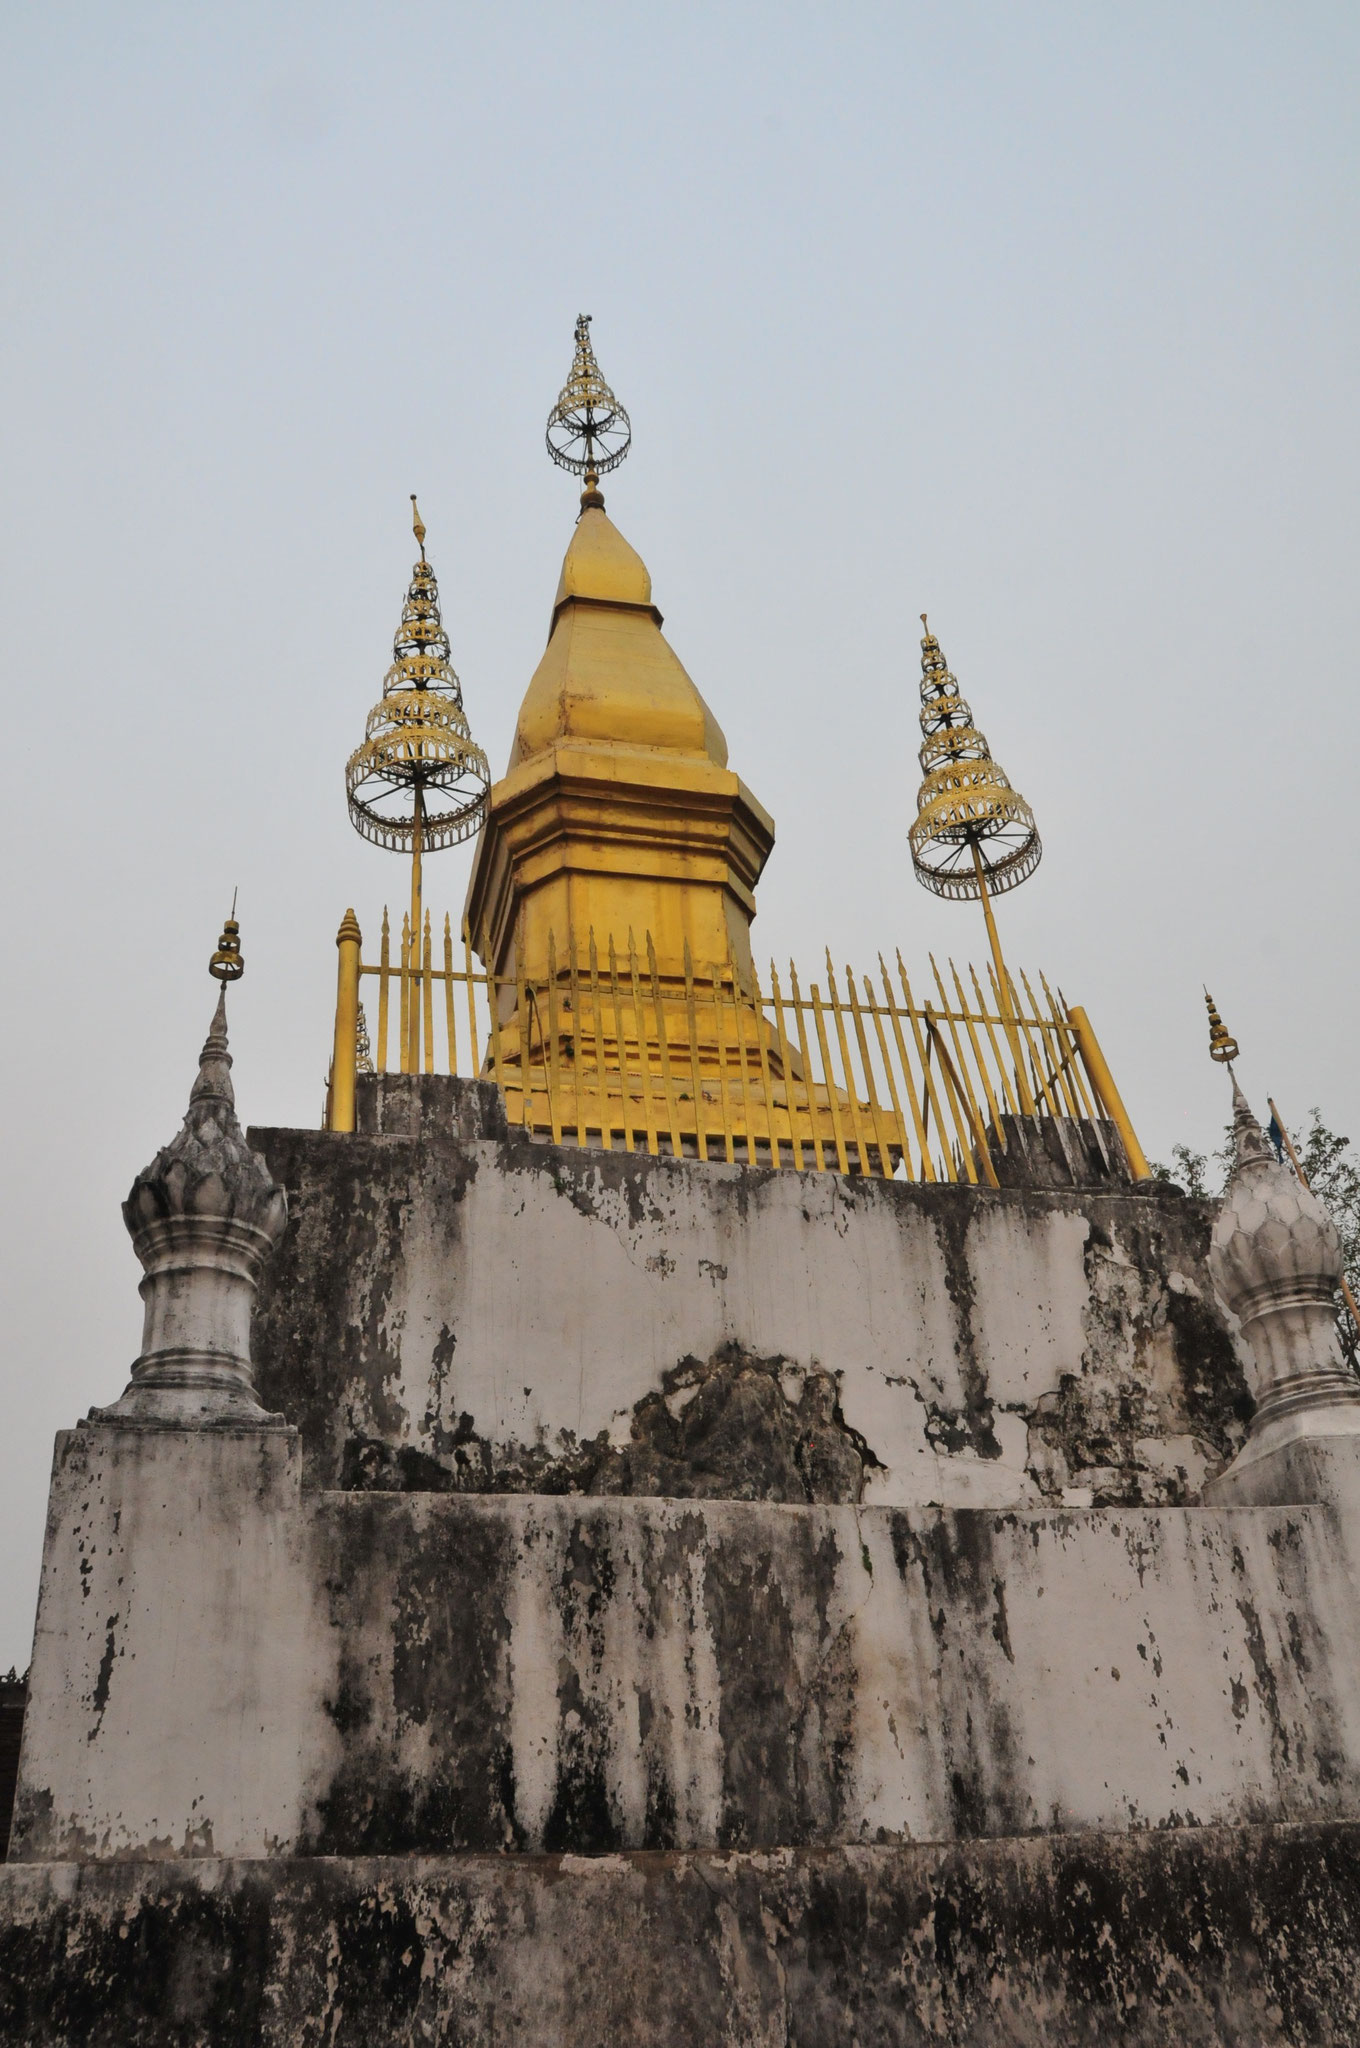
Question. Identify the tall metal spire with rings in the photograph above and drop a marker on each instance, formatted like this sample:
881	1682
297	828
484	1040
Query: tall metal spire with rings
588	430
419	781
974	835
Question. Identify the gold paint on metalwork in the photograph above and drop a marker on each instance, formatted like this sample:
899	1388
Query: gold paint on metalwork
965	801
1105	1092
418	782
689	1066
619	812
417	742
228	962
385	961
1222	1047
974	836
606	1119
345	1055
450	1021
588	430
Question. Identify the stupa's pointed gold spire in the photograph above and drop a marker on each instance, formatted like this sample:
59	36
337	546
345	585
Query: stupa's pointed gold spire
418	525
588	430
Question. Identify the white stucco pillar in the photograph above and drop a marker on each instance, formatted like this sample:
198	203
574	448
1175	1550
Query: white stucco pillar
204	1217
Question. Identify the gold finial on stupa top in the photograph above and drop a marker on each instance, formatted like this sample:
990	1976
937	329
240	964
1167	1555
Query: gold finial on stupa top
417	744
227	963
973	832
588	430
1222	1046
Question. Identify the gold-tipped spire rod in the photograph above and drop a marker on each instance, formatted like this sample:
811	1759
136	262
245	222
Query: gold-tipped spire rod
418	525
1003	984
417	848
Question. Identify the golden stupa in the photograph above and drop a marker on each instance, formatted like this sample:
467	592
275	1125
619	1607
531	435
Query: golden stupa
618	823
612	895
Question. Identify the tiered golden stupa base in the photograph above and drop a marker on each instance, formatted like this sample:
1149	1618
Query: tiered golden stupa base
689	1068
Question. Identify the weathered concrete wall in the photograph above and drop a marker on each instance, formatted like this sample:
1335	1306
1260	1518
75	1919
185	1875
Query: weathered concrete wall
227	1665
168	1686
1242	1939
458	1308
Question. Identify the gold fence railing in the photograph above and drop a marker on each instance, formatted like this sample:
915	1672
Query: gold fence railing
865	1076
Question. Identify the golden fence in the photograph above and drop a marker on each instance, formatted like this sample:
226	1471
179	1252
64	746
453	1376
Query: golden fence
864	1076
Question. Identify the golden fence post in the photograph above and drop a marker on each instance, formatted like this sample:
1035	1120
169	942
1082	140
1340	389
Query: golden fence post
866	1061
667	1079
918	1122
1107	1095
978	1060
1058	1012
644	1050
871	1004
551	1067
470	978
1057	1083
404	1024
1009	1103
626	1100
829	1078
952	1095
345	1059
450	1026
763	1055
384	978
523	991
786	1068
601	1078
809	1084
720	1037
923	1054
962	1078
747	1114
578	1048
851	1085
695	1080
427	990
493	1016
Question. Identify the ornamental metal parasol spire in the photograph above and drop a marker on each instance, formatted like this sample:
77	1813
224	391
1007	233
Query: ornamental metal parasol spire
419	781
228	962
1222	1044
974	835
588	430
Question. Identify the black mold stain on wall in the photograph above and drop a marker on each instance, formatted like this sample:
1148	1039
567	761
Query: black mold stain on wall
327	1331
1243	1938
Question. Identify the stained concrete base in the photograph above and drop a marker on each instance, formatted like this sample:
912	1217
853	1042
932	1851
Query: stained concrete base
1194	1936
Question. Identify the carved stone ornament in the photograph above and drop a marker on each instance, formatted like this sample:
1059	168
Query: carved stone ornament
1275	1260
203	1217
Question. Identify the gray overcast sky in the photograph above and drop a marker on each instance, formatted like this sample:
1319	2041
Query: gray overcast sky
1041	319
